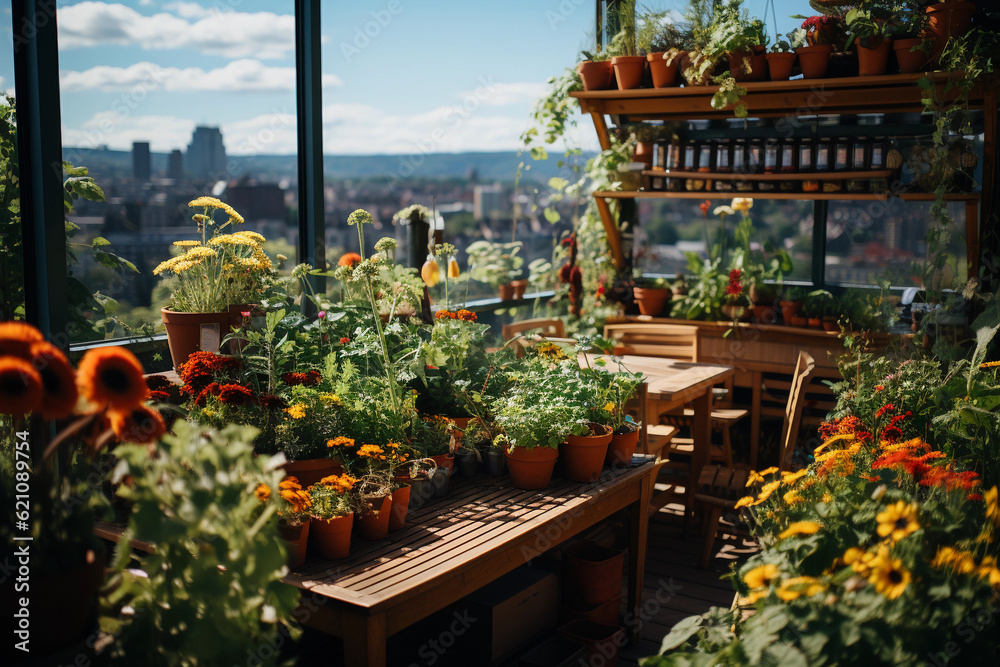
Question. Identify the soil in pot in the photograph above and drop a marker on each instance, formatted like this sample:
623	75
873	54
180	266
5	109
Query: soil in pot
374	523
296	539
332	538
780	65
400	507
873	61
621	448
596	75
592	573
629	71
814	60
909	60
583	456
664	75
311	471
531	469
466	461
651	300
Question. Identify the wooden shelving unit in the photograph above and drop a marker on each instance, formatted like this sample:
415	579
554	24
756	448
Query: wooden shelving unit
896	93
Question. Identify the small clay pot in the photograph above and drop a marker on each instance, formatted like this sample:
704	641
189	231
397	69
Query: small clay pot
910	60
758	64
596	75
629	71
779	65
519	288
664	75
506	292
814	60
873	61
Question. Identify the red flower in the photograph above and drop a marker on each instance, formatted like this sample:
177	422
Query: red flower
307	379
272	402
235	394
888	407
735	286
879	387
211	389
158	383
158	396
345	340
568	242
467	315
704	206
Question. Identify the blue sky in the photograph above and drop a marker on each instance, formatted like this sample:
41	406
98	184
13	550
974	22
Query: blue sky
400	76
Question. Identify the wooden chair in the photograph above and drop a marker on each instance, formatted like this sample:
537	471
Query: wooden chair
550	328
678	341
719	487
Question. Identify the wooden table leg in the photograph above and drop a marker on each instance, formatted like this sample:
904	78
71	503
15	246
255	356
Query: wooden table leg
364	640
701	435
756	378
637	554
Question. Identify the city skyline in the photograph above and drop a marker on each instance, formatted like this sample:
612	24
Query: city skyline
398	78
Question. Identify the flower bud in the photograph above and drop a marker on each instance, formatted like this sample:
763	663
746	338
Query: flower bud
430	272
453	270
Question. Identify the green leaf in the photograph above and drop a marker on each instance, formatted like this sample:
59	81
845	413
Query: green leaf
680	633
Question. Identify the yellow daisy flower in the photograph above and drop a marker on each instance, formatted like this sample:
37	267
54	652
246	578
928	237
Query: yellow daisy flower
800	528
761	576
795	587
889	576
897	521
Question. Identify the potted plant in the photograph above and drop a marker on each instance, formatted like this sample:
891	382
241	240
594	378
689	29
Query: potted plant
496	264
629	66
822	33
660	38
869	31
206	298
293	505
696	63
652	294
781	59
735	307
332	510
791	300
535	418
596	70
375	469
742	40
817	305
909	24
946	20
614	390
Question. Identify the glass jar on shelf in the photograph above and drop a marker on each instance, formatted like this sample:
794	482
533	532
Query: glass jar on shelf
807	164
859	162
788	164
772	154
723	166
740	166
675	158
877	162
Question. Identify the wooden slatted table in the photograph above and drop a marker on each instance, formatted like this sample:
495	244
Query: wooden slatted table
454	546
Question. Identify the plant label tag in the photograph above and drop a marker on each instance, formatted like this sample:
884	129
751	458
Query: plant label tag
211	337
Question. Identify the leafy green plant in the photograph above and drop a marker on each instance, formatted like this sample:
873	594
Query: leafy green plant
706	290
869	25
213	586
733	31
541	409
494	263
819	303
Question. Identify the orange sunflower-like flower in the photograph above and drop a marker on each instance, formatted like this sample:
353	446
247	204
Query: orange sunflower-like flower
20	386
235	394
16	338
263	492
340	441
59	393
112	377
349	259
140	425
371	451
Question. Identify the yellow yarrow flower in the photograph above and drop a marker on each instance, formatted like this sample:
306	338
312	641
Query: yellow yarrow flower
297	411
187	244
795	587
800	528
329	398
206	202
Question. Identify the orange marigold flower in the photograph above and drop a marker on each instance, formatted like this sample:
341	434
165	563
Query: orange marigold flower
59	393
211	389
112	377
340	441
291	482
16	338
879	387
442	314
349	259
888	407
306	379
467	315
20	386
263	492
371	451
141	425
157	396
235	394
158	383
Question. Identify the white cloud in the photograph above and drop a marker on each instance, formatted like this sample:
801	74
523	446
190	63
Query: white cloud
224	33
188	10
244	75
501	94
118	130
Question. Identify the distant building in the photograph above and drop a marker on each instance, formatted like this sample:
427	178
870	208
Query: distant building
175	167
206	155
257	201
489	201
140	160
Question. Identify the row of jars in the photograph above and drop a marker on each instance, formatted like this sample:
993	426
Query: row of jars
727	159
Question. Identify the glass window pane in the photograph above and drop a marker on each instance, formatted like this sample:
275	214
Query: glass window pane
11	262
869	241
163	103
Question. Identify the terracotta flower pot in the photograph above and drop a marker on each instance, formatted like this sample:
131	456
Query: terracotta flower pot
798	321
814	60
790	310
909	60
374	523
596	75
333	537
602	641
651	299
758	64
664	75
605	613
506	292
296	538
621	448
188	332
815	322
400	506
765	314
643	153
830	324
873	61
531	469
519	288
629	71
946	20
583	456
593	574
446	461
311	471
779	65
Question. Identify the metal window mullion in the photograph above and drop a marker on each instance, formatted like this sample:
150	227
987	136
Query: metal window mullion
821	209
39	145
309	105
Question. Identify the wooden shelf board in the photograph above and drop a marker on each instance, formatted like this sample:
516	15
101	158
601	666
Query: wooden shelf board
825	176
803	196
